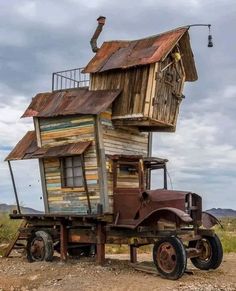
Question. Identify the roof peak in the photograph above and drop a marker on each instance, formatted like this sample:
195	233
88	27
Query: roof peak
186	27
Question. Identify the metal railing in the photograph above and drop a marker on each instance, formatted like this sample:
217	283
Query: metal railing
73	78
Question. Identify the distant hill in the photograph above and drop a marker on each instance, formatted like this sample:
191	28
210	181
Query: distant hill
5	208
222	212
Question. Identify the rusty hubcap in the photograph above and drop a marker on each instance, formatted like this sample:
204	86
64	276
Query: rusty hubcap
37	249
205	247
166	257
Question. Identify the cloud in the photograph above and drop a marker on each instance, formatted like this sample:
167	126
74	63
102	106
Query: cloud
39	37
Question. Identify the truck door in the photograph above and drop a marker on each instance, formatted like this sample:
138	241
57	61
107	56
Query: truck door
127	186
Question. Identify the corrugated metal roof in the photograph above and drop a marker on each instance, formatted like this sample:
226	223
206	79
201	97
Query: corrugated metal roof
126	54
70	102
27	149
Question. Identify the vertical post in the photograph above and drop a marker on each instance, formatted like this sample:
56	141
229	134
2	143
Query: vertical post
133	254
85	184
14	187
149	172
53	81
101	160
165	177
44	187
63	241
100	256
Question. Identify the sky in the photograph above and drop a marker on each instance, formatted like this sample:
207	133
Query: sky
38	37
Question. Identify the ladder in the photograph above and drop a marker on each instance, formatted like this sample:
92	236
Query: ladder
17	241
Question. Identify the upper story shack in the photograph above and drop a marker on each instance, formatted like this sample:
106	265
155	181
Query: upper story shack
150	73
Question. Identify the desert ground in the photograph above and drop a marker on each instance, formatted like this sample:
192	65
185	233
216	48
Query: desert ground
83	274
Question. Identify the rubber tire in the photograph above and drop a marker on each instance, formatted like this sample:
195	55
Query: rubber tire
48	246
217	254
181	258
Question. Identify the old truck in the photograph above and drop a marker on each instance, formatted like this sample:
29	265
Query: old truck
170	220
93	141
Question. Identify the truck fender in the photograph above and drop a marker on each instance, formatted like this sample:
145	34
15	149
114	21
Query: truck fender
159	213
209	220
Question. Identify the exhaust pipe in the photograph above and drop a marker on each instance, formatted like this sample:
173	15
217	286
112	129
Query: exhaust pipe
93	42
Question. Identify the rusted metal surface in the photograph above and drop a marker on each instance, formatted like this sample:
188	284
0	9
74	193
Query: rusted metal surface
126	54
101	240
70	102
27	149
27	143
133	254
93	42
63	240
209	220
145	207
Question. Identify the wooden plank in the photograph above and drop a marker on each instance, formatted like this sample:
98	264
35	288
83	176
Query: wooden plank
101	164
14	240
148	99
154	89
37	130
43	184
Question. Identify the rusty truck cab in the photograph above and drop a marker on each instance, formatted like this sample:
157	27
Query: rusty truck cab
131	178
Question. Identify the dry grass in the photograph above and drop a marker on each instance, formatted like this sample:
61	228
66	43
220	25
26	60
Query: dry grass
227	235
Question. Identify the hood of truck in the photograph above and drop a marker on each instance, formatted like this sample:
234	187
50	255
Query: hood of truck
163	194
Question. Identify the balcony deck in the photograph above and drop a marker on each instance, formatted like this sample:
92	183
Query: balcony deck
68	79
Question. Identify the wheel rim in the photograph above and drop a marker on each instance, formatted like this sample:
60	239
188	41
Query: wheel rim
206	250
166	257
37	249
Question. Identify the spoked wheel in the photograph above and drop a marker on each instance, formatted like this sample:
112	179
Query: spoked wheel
40	247
211	252
170	258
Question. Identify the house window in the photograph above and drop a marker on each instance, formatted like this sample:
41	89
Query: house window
72	173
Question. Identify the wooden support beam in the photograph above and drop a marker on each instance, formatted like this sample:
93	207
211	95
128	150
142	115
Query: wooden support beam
14	187
100	256
133	254
63	241
43	184
102	172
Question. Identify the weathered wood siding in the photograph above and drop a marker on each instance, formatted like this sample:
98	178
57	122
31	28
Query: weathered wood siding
120	142
63	130
133	83
169	87
151	95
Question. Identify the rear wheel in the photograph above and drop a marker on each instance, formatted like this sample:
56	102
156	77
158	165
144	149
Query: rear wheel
40	247
170	258
211	252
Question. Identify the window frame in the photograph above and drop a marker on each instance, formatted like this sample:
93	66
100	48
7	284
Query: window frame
116	165
63	167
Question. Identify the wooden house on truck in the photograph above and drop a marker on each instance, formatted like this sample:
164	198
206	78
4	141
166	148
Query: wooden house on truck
127	90
92	137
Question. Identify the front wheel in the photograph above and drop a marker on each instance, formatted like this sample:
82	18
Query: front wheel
170	257
211	252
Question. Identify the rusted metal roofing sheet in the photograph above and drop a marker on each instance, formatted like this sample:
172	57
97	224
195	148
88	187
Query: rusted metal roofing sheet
26	144
70	102
126	54
27	149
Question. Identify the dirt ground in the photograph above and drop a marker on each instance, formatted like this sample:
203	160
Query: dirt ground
17	274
